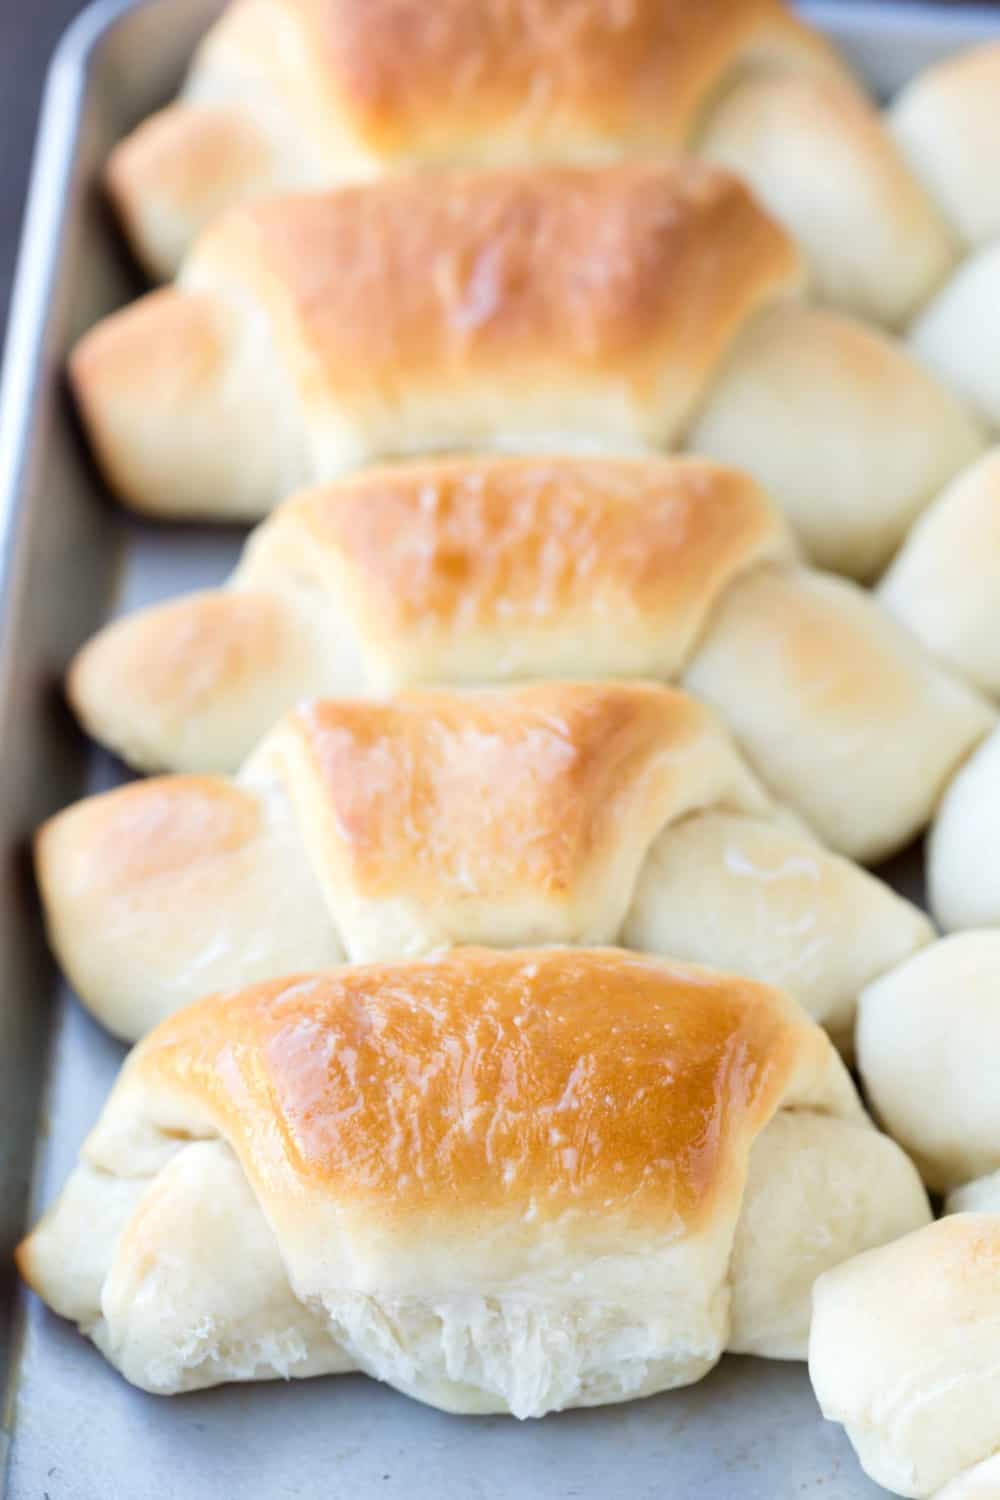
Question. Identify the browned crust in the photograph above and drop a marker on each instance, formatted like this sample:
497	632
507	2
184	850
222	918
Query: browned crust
479	544
487	1083
522	791
413	77
644	270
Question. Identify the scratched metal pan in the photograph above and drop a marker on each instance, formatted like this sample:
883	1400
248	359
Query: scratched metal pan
72	1429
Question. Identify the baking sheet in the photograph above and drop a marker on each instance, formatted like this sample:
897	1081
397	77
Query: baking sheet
72	1429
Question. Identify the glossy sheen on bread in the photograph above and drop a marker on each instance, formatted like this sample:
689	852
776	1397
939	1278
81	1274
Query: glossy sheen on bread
893	213
291	93
530	1166
615	309
474	571
558	813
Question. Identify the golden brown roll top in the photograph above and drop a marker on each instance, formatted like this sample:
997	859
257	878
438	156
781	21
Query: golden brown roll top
462	571
606	267
542	800
616	309
574	813
421	86
284	93
446	565
477	571
558	306
380	830
552	1079
530	1167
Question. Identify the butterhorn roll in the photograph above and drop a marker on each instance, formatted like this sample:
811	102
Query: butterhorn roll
618	309
559	813
500	1182
470	571
284	94
290	94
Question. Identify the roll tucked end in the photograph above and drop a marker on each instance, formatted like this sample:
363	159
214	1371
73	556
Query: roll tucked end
902	1351
948	125
179	415
818	1191
149	891
817	155
192	685
178	170
868	437
945	582
963	849
928	1037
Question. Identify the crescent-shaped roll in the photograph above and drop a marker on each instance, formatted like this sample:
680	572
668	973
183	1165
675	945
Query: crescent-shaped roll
499	1182
928	1044
905	1352
583	304
559	813
945	582
317	93
300	93
286	94
575	309
963	848
484	570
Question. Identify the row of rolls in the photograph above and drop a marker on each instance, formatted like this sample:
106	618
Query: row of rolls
629	580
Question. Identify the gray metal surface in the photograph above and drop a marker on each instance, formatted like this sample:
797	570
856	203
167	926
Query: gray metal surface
72	1429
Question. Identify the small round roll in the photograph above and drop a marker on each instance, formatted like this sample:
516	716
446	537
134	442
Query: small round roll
928	1044
905	1352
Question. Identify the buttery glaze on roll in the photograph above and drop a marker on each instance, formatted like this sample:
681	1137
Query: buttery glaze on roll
559	813
616	309
499	1182
285	94
895	216
470	571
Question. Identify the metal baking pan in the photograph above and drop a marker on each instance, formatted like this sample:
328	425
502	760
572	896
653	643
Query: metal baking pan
72	1428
